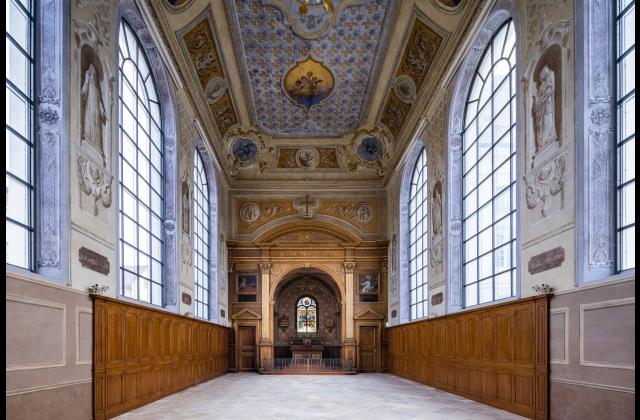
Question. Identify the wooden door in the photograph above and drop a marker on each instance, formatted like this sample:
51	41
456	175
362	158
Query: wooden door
247	348
367	348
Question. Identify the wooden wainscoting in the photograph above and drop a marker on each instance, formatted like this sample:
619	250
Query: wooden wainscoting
142	354
496	355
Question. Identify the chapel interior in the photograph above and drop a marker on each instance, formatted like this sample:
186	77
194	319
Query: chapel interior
356	208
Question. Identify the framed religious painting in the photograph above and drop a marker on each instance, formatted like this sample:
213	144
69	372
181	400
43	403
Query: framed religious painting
247	287
368	287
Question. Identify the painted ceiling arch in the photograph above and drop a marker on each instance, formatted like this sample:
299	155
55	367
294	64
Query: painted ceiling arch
344	56
308	91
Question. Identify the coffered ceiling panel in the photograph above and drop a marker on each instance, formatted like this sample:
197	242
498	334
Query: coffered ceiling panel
312	73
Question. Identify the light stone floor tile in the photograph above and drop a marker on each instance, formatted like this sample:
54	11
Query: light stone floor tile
251	396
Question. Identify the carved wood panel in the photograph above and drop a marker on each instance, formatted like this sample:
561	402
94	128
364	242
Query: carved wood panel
143	354
496	355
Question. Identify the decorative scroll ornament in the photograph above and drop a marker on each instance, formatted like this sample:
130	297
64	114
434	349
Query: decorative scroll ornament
544	182
367	149
94	182
246	150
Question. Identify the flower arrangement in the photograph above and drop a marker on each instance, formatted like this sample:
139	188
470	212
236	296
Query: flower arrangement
97	290
542	289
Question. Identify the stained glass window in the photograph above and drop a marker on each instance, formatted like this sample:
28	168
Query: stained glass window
306	315
626	129
419	238
489	174
140	170
201	221
19	142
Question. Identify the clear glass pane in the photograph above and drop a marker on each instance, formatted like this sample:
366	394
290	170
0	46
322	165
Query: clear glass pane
486	291
17	247
495	169
18	154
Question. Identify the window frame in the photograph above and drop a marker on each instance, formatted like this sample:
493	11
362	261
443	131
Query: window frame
202	190
509	189
51	146
618	141
136	167
30	141
503	10
314	303
425	236
128	11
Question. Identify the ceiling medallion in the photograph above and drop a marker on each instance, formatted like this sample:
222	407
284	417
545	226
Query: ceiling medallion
306	158
308	83
244	149
326	4
370	149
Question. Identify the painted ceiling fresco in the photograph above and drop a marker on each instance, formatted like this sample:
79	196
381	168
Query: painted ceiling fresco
200	46
311	73
423	46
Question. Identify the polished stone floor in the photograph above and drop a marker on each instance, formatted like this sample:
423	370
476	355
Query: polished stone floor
372	396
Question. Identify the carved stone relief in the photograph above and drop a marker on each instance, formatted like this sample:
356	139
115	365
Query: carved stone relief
246	150
367	149
546	182
95	183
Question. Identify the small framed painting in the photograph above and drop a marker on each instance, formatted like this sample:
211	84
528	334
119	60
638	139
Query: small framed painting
368	283
247	284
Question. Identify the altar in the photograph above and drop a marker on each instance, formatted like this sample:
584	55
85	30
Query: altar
307	351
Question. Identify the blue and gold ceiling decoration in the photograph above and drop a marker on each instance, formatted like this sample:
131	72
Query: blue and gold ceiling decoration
274	44
422	47
200	47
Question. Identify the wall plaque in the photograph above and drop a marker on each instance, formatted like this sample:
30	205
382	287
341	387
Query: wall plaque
436	299
186	298
222	313
93	261
547	260
394	313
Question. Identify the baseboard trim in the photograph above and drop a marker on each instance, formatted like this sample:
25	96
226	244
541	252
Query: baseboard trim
47	387
595	385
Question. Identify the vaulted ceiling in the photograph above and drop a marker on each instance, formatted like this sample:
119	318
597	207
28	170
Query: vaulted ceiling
309	90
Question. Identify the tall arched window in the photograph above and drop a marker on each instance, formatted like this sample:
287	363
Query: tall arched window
306	315
489	174
419	239
19	143
201	249
626	129
140	170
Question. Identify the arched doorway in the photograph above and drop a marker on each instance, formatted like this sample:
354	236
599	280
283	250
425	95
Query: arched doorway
307	315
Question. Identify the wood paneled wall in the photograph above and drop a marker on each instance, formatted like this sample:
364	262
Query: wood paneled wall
496	355
142	354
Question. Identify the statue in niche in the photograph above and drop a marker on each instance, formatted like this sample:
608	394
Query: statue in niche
544	110
186	209
94	116
437	208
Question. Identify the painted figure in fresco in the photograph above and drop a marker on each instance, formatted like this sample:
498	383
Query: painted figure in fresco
94	116
369	285
544	109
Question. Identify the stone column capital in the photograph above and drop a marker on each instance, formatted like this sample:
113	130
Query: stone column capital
265	268
349	267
